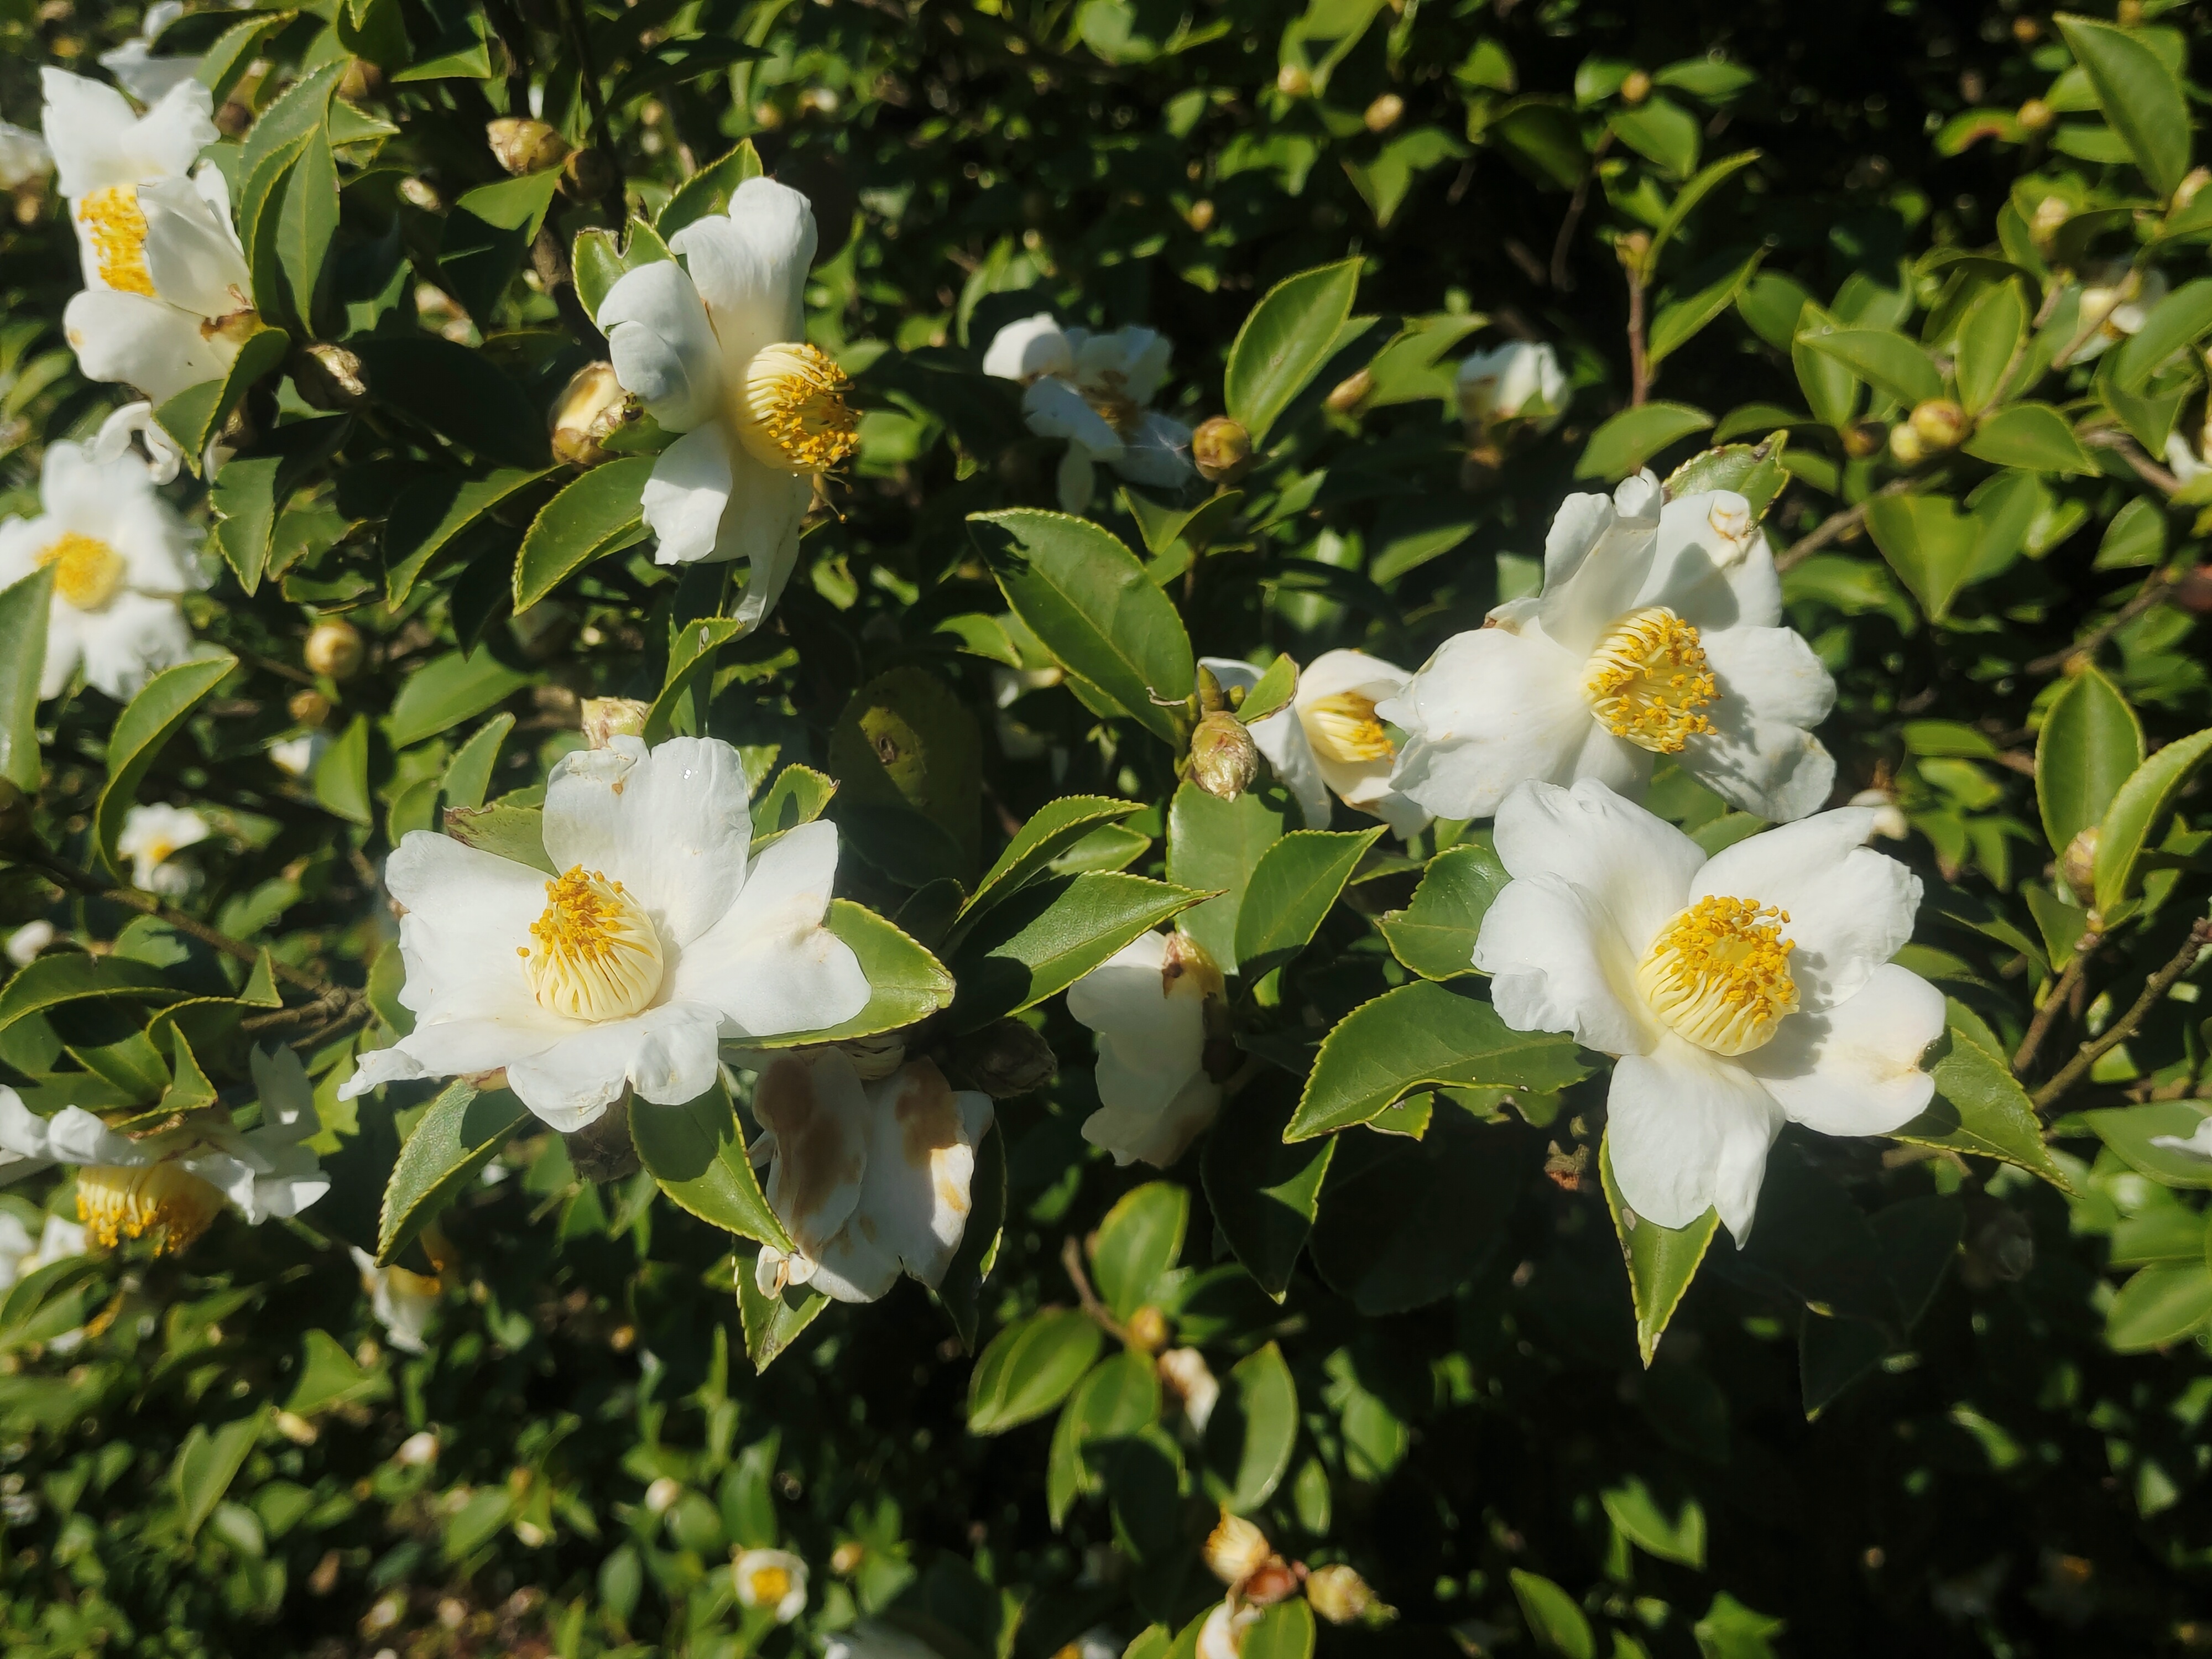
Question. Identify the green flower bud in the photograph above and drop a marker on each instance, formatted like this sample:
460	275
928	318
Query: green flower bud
1940	423
1223	759
1005	1059
1219	448
521	145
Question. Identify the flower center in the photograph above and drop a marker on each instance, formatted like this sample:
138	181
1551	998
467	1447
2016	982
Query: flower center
115	226
792	414
1343	727
1719	974
769	1585
597	955
116	1202
87	572
1109	397
1648	680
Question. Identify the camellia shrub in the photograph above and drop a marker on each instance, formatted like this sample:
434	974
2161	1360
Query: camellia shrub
987	830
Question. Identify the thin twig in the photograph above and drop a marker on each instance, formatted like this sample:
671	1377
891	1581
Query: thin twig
1070	1257
2124	446
1640	358
1838	524
2152	594
1562	278
2153	992
2062	989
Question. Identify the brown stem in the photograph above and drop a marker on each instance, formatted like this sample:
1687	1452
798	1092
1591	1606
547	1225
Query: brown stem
2124	446
1640	360
1836	524
2062	991
2152	594
2154	992
1070	1257
1562	278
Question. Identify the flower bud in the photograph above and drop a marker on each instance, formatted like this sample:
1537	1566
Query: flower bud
845	1560
1385	112
1148	1329
1635	87
1200	216
422	193
1905	445
328	377
1940	423
587	414
295	1428
2077	866
1191	1381
1277	1580
1006	1059
309	708
1338	1594
417	1451
588	174
661	1497
2050	217
521	145
1889	820
2036	116
1224	760
875	1058
1219	448
334	650
2191	186
1631	249
2127	14
1347	393
14	814
361	81
1862	439
2026	30
1520	381
1293	81
1235	1549
606	719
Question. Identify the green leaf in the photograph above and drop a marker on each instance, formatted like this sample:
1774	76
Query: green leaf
143	729
517	833
798	795
1980	1107
2135	539
2032	436
328	1376
1708	180
457	393
906	740
1676	325
460	1132
449	690
1882	357
1087	598
1283	343
25	607
1662	1260
708	190
1028	1368
906	984
1435	934
341	780
1832	391
773	1323
207	1463
1419	1035
1252	1431
600	263
2162	1303
1057	826
226	62
1680	1538
2090	744
599	514
1140	1239
2136	810
2140	95
1662	131
1284	1631
1621	446
468	775
2174	324
287	198
429	516
1214	845
696	1153
53	981
2130	1131
193	416
1292	889
1928	542
1990	336
486	236
1554	1620
1264	1194
691	652
1120	1397
1048	935
1272	693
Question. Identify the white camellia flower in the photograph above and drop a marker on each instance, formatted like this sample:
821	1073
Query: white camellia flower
1739	992
121	555
404	1301
2117	298
24	156
774	1579
27	941
1148	1004
22	1253
167	298
715	348
174	1180
1657	633
871	1180
1328	740
658	938
1095	391
873	1640
144	76
1520	381
152	836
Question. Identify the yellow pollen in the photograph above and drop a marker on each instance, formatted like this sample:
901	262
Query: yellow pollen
116	1202
115	226
1648	681
1343	727
769	1585
791	413
597	954
1719	974
87	572
1109	399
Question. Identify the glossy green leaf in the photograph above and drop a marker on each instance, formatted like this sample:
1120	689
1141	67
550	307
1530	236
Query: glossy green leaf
773	1323
708	190
1980	1107
906	740
287	199
1028	1368
1140	1238
1283	343
1214	845
25	606
1048	935
341	780
143	729
2132	1132
2140	95
460	1132
449	690
2135	539
457	393
1272	693
1435	934
1119	1397
233	52
509	832
599	514
469	774
1882	358
207	1463
2137	810
1831	389
1622	445
1707	181
798	795
1662	1260
1292	889
1679	1537
1264	1194
193	416
487	236
53	982
433	514
1990	335
1558	1624
2162	1303
696	1152
1057	826
1928	542
2090	744
2175	323
1252	1431
1677	323
1661	130
2034	437
600	262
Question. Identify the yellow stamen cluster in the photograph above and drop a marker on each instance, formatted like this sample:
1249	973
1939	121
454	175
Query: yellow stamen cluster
791	413
1109	397
597	955
1648	680
1719	974
115	225
116	1202
1343	727
768	1585
87	572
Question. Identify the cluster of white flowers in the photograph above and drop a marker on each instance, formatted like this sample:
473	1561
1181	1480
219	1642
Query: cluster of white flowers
1095	391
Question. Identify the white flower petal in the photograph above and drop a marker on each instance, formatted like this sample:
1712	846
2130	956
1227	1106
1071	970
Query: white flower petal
132	638
163	459
1021	350
24	157
1492	709
98	139
1761	757
769	964
915	1196
192	256
688	495
1687	1131
465	912
668	1054
1156	453
814	1106
670	824
1855	1070
136	341
1636	867
1559	962
751	267
663	347
1053	408
1160	1133
1130	363
1711	565
767	508
1596	559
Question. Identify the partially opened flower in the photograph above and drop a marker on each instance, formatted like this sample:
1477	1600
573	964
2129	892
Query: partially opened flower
174	1182
152	836
1152	1003
403	1301
121	557
659	938
23	1252
1656	634
774	1579
1223	1634
146	77
1329	740
167	298
1739	992
715	348
1095	391
1520	381
132	430
871	1180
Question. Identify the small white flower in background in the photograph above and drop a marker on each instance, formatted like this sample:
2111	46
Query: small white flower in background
1328	740
1095	391
659	939
24	157
22	1253
1739	992
1889	820
2191	463
2198	1143
144	76
120	557
297	757
174	1181
870	1180
1657	633
715	348
1191	1382
1149	1004
2116	299
774	1579
404	1301
168	297
27	941
151	837
873	1640
1222	1636
1521	381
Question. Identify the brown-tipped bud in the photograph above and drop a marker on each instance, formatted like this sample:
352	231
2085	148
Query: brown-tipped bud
1633	249
1862	439
1277	1580
1199	216
2190	187
587	414
1348	393
14	814
1006	1059
234	118
422	193
334	650
309	708
602	1150
1219	448
2026	30
2050	217
361	79
1224	760
521	145
2077	866
1905	445
1940	423
1635	87
2036	116
588	174
1384	112
845	1560
1338	1594
606	719
328	377
1293	81
875	1058
1235	1549
1148	1329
